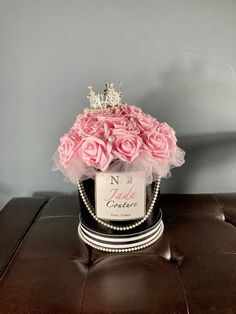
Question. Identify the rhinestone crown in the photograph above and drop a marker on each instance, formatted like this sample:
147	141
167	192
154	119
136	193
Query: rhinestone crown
110	97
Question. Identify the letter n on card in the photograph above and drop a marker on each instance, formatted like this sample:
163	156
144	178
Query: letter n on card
120	196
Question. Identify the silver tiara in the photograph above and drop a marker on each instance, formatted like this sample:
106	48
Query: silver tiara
110	97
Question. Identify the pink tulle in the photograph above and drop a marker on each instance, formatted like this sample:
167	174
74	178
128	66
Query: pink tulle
79	171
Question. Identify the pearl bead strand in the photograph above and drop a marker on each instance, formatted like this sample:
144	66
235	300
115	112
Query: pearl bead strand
112	226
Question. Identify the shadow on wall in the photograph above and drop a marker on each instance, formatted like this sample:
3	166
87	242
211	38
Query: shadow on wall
195	95
207	155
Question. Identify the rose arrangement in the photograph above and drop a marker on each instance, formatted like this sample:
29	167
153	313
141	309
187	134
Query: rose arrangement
123	134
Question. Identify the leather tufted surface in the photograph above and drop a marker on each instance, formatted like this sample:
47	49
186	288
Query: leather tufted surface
191	269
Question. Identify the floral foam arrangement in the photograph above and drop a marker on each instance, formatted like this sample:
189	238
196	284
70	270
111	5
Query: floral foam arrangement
113	136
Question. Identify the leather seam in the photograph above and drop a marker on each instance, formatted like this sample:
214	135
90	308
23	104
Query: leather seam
128	254
226	218
83	292
22	238
51	217
183	289
218	203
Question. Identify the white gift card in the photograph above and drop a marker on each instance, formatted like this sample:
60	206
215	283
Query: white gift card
120	196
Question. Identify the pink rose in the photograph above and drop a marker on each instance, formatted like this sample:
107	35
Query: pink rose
155	144
118	123
130	110
132	126
118	112
166	130
126	126
90	125
96	153
68	148
146	122
127	147
105	113
122	125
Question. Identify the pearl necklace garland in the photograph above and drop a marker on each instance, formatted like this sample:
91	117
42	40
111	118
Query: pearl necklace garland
112	226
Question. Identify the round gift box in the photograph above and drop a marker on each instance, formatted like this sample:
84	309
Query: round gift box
100	236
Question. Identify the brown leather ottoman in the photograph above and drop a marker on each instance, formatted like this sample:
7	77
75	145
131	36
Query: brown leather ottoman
45	268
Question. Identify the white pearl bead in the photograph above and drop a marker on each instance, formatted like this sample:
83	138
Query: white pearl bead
110	139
